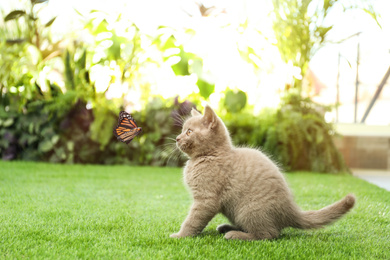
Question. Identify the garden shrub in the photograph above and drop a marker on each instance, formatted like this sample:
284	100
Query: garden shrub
295	135
67	137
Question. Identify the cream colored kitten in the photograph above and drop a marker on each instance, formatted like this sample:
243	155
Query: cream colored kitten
241	183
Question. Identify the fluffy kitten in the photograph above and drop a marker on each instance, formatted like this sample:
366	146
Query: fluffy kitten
241	183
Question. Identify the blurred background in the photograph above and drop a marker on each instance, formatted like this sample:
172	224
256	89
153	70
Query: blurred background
304	80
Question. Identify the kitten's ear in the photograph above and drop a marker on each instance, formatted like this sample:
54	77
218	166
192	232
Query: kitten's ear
195	112
209	118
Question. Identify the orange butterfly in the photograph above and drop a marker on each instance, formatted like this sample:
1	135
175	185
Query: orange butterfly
127	128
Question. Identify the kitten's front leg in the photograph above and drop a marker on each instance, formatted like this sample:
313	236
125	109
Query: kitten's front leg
199	216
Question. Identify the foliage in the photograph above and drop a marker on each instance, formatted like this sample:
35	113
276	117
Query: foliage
27	128
300	28
184	63
74	123
71	121
18	75
295	135
70	137
234	101
116	46
24	51
29	27
26	135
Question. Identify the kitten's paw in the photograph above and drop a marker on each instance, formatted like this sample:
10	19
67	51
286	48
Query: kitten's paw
179	235
175	235
224	228
239	235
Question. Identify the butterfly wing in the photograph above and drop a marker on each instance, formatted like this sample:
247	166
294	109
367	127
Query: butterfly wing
126	119
127	128
127	136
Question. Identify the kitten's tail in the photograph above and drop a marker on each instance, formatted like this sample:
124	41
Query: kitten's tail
327	215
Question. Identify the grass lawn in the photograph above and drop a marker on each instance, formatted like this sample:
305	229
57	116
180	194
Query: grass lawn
115	212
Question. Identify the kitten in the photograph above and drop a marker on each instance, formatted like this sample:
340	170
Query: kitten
241	183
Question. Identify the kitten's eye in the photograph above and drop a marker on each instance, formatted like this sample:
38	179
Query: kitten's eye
189	131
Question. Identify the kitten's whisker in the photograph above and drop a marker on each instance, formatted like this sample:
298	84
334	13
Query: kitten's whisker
170	138
185	110
178	123
167	147
178	119
175	154
169	152
172	144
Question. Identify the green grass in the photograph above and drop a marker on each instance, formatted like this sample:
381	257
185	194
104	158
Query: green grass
116	212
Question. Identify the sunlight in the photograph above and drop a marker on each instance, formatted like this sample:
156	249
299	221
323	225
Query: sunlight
235	42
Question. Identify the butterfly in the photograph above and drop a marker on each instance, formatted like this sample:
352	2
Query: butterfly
127	128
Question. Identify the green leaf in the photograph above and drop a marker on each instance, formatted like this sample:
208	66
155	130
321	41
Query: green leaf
373	15
38	1
350	66
69	74
31	139
45	146
235	101
14	15
102	126
31	17
323	31
82	61
96	11
319	136
55	139
114	51
102	27
169	43
38	89
70	145
181	68
50	22
78	12
197	67
205	88
16	41
31	128
8	122
55	90
60	152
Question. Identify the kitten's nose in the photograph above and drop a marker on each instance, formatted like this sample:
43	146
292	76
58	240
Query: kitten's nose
177	139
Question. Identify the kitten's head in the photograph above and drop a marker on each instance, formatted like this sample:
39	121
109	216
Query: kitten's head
203	134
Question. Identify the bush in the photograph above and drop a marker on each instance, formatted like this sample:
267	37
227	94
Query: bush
67	136
295	135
